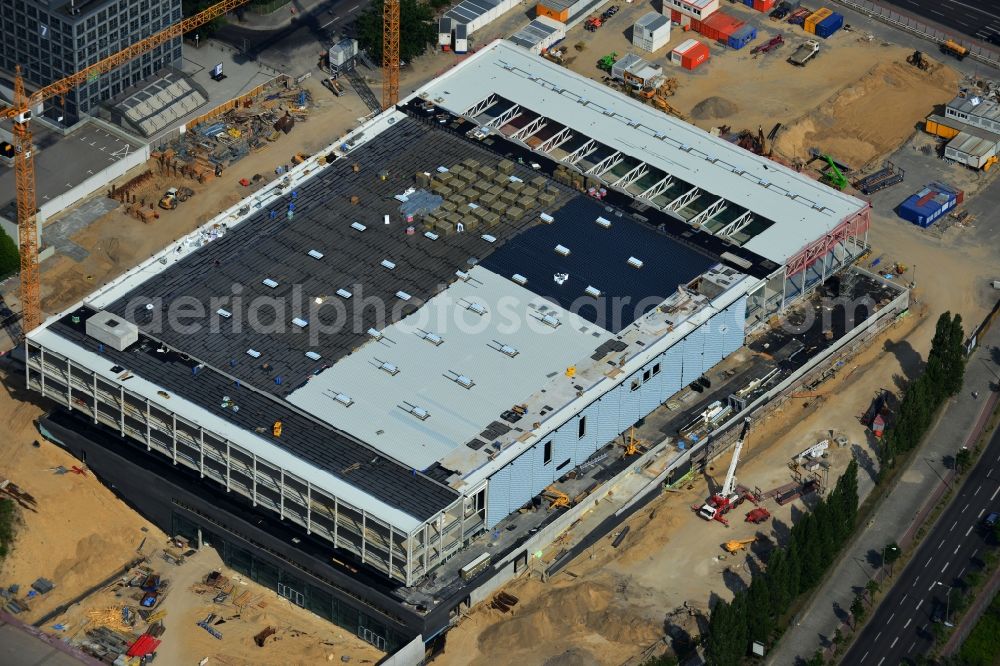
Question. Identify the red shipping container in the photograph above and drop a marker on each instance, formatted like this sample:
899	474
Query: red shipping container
720	26
763	5
695	56
675	16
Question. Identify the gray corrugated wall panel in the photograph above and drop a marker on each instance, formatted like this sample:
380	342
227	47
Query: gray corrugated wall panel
712	351
734	336
629	402
673	360
564	446
498	496
586	445
607	425
694	343
521	481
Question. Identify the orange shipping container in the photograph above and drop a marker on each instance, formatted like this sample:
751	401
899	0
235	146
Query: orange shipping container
809	25
558	11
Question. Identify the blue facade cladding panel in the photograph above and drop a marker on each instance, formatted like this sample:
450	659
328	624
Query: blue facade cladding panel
615	412
736	320
673	360
694	344
498	496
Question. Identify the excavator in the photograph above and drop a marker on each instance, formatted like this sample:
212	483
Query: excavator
918	60
557	498
736	545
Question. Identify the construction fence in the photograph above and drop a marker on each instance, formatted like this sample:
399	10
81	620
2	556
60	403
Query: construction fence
911	24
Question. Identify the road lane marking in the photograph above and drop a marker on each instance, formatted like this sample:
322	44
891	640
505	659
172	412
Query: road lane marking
927	563
956	549
964	507
988	472
876	637
919	605
929	589
953	525
915	579
942	543
904	598
863	657
880	661
969	530
973	553
993	496
945	566
912	645
961	572
981	512
890	618
894	641
330	22
977	490
352	9
908	621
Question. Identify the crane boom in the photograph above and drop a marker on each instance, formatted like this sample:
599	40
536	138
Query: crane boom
730	483
24	164
390	53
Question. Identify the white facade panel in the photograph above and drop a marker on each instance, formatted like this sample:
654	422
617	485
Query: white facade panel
694	345
498	496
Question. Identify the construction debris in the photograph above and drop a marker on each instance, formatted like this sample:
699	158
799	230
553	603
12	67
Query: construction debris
260	638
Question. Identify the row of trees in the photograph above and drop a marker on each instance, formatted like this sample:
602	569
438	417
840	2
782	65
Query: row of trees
758	612
941	379
416	29
10	260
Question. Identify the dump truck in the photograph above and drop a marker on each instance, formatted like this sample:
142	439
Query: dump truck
804	53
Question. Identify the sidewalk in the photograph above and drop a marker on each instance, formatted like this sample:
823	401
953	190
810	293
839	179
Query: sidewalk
284	15
919	486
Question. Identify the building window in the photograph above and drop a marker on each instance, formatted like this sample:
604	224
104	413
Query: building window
656	369
581	427
563	464
547	455
646	375
635	385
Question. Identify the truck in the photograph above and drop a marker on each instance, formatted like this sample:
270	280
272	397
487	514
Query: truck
804	53
951	47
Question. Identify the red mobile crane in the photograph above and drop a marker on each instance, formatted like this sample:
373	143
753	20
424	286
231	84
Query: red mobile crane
720	503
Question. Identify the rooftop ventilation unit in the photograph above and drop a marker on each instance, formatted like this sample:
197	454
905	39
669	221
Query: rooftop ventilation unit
403	296
593	291
520	279
343	293
431	235
343	399
461	380
462	275
477	308
432	338
253	353
507	350
563	250
634	263
419	412
313	356
546	218
551	320
109	329
268	282
389	368
489	238
388	264
375	333
358	226
604	222
224	313
301	323
315	254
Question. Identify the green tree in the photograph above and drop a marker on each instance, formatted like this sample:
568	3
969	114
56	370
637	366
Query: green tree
10	259
890	553
963	459
192	7
760	618
416	29
858	610
816	660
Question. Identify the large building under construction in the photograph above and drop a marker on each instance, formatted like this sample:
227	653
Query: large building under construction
350	382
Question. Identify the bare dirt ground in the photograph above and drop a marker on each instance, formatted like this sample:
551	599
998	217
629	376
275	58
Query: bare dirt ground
81	533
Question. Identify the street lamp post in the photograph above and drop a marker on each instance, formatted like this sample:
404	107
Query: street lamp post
947	604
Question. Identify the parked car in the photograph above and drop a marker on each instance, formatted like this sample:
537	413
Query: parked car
991	520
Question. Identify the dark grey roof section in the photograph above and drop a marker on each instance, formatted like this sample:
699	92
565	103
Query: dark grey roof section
277	249
598	256
303	436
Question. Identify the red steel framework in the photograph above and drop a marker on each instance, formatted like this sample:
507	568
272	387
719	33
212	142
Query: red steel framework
851	227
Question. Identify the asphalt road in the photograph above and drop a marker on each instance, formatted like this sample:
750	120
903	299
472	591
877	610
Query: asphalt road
976	18
900	630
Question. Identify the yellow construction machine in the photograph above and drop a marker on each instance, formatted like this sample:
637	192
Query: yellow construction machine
736	545
557	498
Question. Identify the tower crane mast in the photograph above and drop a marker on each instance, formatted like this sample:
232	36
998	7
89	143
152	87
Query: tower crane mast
24	163
390	53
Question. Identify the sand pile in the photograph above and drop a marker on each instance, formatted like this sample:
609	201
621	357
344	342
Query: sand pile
714	107
870	118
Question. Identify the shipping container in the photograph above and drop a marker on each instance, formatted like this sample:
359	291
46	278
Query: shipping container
651	32
742	37
748	3
690	54
930	203
829	25
809	25
720	27
764	6
940	126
